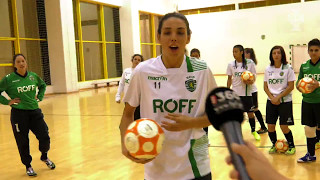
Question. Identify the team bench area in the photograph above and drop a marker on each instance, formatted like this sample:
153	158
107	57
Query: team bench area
106	82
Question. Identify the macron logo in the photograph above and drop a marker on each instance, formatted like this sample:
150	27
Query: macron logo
16	80
26	88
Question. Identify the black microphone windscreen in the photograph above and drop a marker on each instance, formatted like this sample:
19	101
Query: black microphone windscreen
223	105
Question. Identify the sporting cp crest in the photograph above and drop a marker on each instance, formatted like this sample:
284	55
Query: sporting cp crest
31	78
281	73
191	84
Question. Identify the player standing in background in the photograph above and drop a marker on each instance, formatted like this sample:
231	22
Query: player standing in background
195	53
279	80
249	54
125	80
310	108
21	87
172	90
243	88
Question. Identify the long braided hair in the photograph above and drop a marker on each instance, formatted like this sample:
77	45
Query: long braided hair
244	62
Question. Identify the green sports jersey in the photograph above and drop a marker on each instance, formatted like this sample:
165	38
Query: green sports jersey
25	88
308	69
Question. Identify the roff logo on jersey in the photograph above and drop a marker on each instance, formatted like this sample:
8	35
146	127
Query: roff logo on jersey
26	88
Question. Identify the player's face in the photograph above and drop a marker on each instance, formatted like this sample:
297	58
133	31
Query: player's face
195	55
173	37
276	55
237	54
20	63
247	55
314	52
136	60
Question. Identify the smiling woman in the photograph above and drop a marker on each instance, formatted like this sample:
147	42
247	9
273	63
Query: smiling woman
26	115
170	89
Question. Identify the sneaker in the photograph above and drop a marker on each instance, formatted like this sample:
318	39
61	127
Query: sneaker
30	172
307	158
262	131
317	145
256	136
291	151
49	163
272	150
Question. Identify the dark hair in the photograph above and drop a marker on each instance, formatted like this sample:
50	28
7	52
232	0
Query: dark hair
252	54
283	55
314	42
244	62
176	15
194	50
14	60
137	55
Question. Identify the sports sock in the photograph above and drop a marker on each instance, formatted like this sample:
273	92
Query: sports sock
252	124
44	156
273	137
260	119
311	145
289	138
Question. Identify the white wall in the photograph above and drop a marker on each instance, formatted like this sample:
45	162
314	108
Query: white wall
215	34
191	4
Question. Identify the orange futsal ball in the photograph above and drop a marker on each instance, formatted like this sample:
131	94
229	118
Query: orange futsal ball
247	75
282	146
144	138
304	85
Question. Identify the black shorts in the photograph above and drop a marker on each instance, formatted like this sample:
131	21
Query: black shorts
283	110
247	103
255	99
310	114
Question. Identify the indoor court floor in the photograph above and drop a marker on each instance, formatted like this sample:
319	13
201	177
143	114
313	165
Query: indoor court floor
85	140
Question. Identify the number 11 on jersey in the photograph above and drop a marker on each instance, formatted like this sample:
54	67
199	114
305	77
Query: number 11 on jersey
157	85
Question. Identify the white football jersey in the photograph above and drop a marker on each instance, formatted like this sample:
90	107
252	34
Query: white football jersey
183	90
235	70
277	80
124	82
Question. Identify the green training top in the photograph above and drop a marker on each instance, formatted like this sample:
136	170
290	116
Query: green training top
308	69
23	87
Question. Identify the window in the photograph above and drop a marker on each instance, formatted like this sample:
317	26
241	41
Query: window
97	34
23	30
150	46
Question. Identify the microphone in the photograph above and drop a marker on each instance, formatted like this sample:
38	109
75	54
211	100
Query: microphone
225	112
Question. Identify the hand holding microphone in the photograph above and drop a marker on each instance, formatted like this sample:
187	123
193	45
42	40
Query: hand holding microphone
225	112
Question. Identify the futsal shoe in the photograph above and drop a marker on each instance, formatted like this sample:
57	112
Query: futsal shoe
49	163
262	131
256	136
30	172
317	145
291	151
272	150
307	158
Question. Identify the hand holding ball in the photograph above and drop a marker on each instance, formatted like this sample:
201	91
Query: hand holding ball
247	77
304	85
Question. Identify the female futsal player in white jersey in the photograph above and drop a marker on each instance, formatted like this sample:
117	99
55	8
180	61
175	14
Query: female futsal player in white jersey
125	80
278	84
243	88
172	89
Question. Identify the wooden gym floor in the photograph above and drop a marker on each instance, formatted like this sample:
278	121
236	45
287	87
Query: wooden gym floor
85	140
